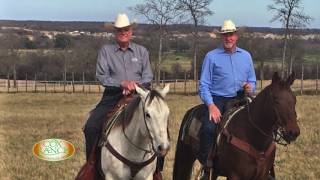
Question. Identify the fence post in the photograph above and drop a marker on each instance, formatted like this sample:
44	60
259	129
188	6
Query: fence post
8	82
317	79
54	86
185	83
26	82
302	73
35	82
163	78
197	86
174	86
17	86
45	83
64	81
73	89
14	76
89	86
83	82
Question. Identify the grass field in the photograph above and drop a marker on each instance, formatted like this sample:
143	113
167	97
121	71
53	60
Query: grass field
27	118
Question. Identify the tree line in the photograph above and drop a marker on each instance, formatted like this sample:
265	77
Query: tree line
64	54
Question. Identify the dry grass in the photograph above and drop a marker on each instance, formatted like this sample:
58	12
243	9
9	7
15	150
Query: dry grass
28	118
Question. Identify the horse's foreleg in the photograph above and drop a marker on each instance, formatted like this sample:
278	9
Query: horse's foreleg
150	177
213	176
233	177
272	174
183	162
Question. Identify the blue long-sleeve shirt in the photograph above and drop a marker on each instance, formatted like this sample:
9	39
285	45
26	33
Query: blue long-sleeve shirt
223	74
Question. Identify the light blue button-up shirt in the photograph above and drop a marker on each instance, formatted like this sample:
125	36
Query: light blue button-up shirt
223	74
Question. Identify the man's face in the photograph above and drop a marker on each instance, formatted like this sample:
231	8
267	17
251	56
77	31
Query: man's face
229	40
123	35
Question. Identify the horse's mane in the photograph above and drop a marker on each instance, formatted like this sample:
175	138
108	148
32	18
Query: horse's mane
153	94
125	116
280	84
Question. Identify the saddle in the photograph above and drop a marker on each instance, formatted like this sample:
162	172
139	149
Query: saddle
90	171
191	129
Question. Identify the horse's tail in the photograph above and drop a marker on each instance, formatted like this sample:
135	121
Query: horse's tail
184	157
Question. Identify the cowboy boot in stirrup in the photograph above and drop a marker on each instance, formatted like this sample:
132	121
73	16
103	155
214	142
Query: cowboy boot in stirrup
204	173
157	175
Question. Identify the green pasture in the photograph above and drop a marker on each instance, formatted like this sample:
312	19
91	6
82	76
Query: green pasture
184	59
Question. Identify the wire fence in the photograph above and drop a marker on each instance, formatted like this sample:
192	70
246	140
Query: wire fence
184	86
177	86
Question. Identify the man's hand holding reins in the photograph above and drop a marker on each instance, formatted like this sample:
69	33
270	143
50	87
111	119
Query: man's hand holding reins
247	88
214	113
128	87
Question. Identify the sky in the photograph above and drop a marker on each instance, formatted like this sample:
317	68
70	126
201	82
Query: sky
242	12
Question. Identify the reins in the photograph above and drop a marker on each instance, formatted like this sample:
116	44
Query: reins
277	136
254	125
135	167
144	119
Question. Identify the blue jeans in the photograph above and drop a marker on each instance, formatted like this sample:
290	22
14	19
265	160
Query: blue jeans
208	127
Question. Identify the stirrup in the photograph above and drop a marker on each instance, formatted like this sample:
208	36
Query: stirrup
205	173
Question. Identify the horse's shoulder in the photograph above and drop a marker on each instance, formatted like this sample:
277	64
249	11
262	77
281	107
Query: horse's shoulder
122	111
229	115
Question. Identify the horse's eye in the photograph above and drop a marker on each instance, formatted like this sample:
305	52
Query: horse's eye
148	115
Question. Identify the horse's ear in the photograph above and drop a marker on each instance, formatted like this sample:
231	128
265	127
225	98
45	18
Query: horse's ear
276	78
165	90
291	78
141	92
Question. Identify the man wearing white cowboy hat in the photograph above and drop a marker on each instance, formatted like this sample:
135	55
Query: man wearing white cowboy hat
226	71
120	66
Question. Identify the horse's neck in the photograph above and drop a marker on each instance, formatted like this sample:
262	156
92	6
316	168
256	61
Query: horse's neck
262	116
262	111
129	141
137	128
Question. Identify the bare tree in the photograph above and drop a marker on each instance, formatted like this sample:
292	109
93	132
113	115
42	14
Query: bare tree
10	43
296	50
261	50
290	14
160	13
197	10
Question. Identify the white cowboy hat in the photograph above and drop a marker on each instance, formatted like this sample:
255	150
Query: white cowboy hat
228	27
121	21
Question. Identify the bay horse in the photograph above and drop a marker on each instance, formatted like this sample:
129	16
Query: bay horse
246	149
130	148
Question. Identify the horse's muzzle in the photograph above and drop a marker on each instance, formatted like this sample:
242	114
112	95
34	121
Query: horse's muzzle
290	135
162	149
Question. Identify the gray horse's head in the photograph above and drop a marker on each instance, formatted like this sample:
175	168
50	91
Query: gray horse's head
156	114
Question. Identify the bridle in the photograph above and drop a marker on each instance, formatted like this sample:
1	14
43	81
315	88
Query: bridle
148	130
260	157
135	167
277	134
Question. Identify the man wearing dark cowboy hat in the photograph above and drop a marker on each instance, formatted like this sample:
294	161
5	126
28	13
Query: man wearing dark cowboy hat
226	70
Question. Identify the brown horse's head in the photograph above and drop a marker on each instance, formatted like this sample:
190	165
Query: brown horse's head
284	102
